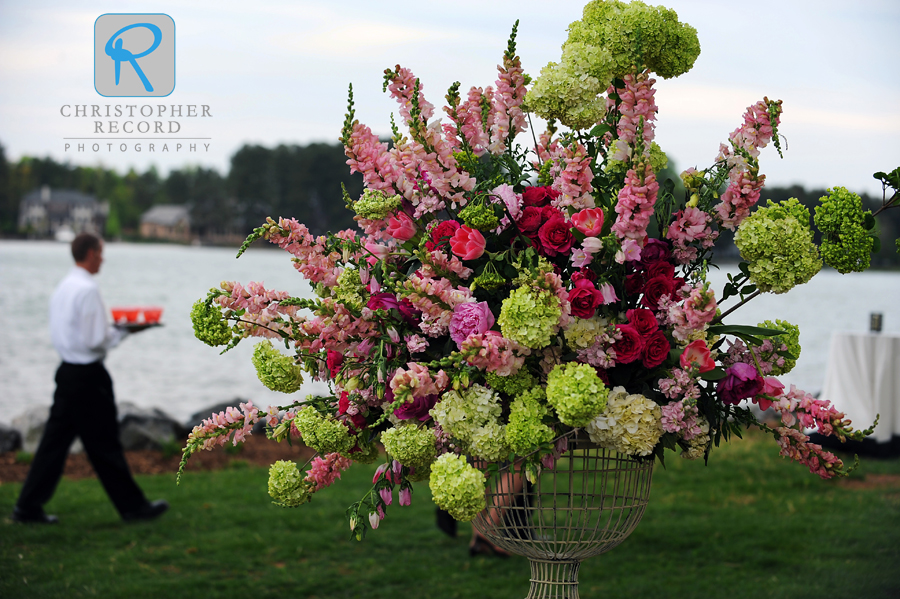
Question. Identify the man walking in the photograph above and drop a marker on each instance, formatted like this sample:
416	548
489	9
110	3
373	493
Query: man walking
83	404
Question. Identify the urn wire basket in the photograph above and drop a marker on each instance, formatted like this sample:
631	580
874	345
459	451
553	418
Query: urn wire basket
587	504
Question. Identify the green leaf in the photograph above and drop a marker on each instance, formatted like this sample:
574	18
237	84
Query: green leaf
716	374
745	268
748	289
739	329
869	222
876	244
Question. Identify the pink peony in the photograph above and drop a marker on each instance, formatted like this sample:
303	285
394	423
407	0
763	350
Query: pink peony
470	318
467	243
589	221
401	227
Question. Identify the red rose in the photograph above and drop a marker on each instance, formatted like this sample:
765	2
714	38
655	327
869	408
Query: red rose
643	320
604	376
630	347
441	234
538	196
530	220
634	283
556	237
656	350
653	251
584	299
660	268
548	212
655	289
584	273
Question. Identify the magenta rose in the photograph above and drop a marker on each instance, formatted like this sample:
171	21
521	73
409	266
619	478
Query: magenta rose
584	274
656	350
441	234
530	220
538	196
630	347
655	289
401	227
741	381
643	320
473	317
467	243
383	301
418	408
333	361
408	312
585	298
556	237
589	221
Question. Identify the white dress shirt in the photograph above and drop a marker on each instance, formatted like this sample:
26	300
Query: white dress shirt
79	327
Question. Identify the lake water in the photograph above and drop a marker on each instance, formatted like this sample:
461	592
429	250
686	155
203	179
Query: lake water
168	368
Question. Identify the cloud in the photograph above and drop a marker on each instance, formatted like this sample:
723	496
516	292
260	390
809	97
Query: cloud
357	39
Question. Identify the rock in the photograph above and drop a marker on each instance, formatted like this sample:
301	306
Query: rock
147	428
30	425
10	439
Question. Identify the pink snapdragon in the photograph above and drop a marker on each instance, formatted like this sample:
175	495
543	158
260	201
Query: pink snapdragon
324	471
417	381
796	446
635	206
574	181
690	225
492	352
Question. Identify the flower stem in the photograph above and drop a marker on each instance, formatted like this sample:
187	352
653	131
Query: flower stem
735	307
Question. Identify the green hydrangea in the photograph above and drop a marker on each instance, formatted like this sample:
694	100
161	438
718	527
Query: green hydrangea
778	243
367	454
791	338
210	326
286	485
582	332
472	417
479	216
846	244
576	393
376	205
610	40
323	434
526	429
410	445
530	317
658	158
457	487
349	289
515	384
275	370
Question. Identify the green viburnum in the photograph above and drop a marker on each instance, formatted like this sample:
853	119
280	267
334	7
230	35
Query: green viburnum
472	417
526	429
323	434
514	384
457	487
791	339
410	445
582	332
286	485
209	325
349	289
530	317
479	216
778	243
576	393
367	454
275	370
376	205
846	244
658	158
610	40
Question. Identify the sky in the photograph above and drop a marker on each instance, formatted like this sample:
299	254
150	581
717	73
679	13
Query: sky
276	72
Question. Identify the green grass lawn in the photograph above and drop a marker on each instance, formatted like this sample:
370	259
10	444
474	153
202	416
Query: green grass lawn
748	525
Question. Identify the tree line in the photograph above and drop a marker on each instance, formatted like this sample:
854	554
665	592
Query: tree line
297	181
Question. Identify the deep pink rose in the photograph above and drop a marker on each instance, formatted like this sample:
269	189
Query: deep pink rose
538	196
630	347
409	313
584	274
556	236
697	353
530	220
441	234
655	289
589	221
741	381
473	317
383	301
418	408
656	350
333	361
467	243
401	227
643	320
584	299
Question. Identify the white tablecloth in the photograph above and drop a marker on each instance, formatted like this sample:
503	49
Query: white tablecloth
863	379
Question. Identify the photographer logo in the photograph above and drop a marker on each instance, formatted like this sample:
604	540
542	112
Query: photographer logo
134	55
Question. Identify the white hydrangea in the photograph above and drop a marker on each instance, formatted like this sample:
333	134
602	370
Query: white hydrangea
582	332
630	424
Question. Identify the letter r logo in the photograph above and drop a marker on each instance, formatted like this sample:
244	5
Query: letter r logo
134	55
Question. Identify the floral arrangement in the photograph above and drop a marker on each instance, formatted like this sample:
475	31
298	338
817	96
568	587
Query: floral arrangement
499	299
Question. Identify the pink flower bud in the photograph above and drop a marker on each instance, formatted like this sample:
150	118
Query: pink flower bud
379	472
405	496
386	496
374	520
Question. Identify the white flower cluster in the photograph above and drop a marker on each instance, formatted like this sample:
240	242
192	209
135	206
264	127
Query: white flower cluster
630	424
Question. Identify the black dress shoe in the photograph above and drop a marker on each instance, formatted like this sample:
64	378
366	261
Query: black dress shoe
33	517
148	512
445	522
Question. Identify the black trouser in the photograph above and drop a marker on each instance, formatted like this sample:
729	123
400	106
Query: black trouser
83	406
